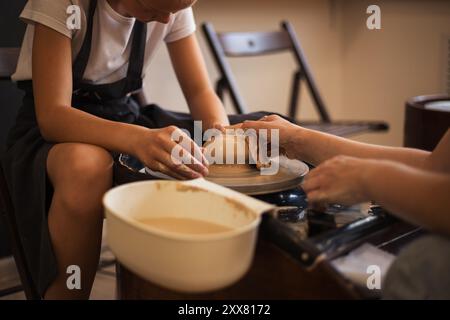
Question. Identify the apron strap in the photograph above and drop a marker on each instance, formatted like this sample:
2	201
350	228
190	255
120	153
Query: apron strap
79	67
136	59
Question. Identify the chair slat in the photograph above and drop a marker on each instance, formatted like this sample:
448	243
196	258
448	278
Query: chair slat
237	44
249	44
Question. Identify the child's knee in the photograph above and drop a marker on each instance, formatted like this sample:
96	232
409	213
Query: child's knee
72	164
80	175
89	165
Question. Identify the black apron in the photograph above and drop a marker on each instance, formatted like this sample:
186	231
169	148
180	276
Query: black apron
27	151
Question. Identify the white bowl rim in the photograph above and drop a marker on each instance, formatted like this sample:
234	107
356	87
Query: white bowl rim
175	235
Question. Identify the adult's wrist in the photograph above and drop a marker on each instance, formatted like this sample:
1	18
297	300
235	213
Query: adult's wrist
375	171
295	142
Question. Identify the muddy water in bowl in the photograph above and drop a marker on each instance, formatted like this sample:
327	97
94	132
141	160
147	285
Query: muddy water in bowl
143	230
185	226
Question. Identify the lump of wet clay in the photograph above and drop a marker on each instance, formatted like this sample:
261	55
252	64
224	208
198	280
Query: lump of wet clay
234	151
227	149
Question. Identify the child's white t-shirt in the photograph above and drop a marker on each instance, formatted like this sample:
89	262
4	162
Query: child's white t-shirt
111	39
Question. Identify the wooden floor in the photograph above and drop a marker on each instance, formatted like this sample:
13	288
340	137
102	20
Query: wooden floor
104	285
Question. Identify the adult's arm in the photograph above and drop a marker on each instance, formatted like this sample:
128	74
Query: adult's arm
316	147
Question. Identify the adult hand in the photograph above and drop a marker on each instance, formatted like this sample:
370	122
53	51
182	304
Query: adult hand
288	132
341	180
285	128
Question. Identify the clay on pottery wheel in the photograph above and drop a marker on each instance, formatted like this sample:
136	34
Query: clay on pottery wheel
247	178
235	146
242	151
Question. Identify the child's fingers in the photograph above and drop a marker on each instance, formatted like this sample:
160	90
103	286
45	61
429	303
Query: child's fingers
197	152
190	146
195	164
182	167
160	167
195	159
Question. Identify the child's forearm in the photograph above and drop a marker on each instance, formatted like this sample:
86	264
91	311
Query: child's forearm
316	147
417	196
67	124
208	108
190	68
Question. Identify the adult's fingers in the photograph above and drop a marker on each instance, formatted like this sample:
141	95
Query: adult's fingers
321	207
271	117
313	174
219	127
317	197
233	127
250	124
310	185
263	129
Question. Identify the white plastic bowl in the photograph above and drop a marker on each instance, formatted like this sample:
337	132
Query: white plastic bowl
183	262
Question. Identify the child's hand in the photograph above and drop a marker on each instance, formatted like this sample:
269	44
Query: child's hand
341	180
155	149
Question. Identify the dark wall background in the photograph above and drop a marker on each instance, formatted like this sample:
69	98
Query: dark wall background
11	34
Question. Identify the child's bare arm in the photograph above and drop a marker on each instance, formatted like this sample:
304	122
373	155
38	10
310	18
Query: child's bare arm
52	83
192	75
59	122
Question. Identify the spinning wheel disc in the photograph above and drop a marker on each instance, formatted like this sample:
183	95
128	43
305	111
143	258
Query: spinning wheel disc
249	180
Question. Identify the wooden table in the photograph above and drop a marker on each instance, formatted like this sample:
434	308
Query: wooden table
273	275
